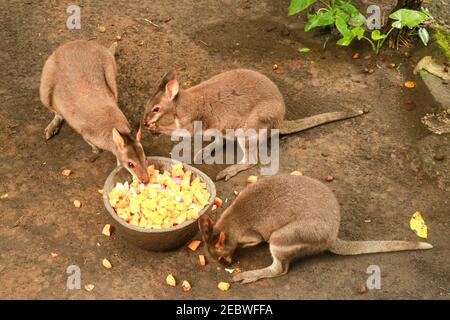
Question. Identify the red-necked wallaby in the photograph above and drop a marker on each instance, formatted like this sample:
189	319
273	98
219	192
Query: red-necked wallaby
296	215
231	100
78	84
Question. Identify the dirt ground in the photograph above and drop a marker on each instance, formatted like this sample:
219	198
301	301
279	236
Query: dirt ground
370	157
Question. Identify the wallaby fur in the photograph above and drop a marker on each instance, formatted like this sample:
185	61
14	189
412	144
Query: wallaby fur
78	84
233	99
296	215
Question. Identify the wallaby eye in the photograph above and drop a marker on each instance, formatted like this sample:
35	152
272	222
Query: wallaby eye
130	165
156	109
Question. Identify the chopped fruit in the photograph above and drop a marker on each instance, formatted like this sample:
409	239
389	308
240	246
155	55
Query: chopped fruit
118	37
252	179
101	29
224	286
391	65
417	224
66	172
329	178
89	287
194	245
218	202
170	280
410	84
296	173
54	254
202	260
107	230
77	203
186	286
274	66
361	289
106	263
356	55
169	199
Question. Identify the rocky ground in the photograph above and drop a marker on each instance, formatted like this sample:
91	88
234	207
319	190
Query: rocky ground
377	182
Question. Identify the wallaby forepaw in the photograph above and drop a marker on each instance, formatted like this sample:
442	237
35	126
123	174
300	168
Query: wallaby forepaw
50	131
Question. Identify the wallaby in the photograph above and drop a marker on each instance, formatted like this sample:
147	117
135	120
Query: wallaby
78	84
233	99
296	215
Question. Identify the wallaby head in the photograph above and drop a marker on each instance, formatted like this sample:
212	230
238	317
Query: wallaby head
164	99
130	153
219	247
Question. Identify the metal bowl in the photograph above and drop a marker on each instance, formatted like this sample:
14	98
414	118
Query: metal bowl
156	239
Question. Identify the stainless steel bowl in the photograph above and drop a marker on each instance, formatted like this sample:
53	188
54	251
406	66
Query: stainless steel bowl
156	239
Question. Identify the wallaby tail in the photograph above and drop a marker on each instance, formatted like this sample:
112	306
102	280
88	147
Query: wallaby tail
343	247
291	126
112	48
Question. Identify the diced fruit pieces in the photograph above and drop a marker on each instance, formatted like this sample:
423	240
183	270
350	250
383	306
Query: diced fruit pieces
107	230
296	173
186	286
106	263
224	286
66	172
170	280
218	202
252	179
194	245
202	260
77	203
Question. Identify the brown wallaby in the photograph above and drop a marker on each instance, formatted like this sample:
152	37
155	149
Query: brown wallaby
78	84
296	215
230	100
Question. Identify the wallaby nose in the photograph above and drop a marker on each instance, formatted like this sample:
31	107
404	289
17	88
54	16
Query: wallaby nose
147	120
144	180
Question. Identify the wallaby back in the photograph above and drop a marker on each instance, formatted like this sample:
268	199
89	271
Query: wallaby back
79	84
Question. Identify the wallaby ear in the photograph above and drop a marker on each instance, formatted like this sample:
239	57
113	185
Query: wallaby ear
138	134
118	139
221	241
172	88
170	75
206	226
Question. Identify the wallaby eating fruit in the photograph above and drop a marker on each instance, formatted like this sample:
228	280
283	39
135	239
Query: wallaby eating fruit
78	84
296	215
233	99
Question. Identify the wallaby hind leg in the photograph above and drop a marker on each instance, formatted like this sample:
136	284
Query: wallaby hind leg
53	127
285	244
279	266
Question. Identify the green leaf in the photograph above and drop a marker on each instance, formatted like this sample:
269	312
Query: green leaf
343	15
424	36
358	32
303	50
409	18
356	17
344	41
342	27
397	24
376	35
297	6
320	19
